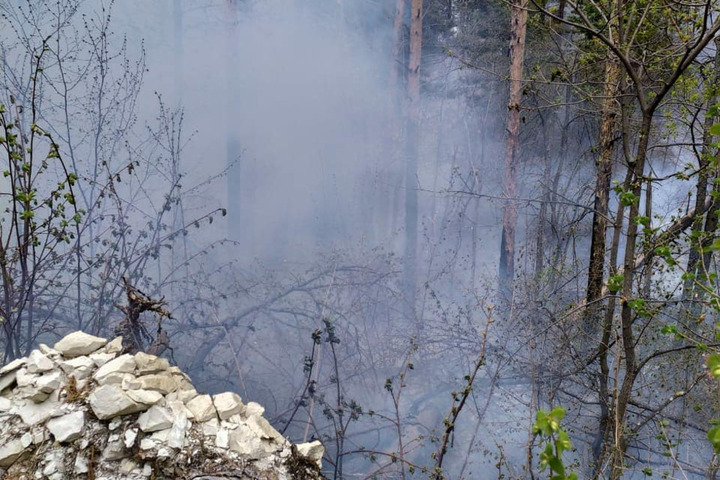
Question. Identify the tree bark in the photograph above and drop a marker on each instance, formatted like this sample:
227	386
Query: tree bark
603	175
518	26
412	140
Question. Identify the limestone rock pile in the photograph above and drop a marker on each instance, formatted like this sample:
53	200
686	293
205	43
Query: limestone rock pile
85	410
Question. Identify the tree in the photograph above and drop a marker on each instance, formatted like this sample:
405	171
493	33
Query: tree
518	28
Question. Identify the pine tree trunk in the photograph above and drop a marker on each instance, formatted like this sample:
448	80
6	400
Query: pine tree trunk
518	24
412	140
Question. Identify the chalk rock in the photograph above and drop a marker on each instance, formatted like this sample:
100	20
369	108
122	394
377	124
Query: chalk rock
156	418
100	359
38	362
148	397
8	380
150	363
14	365
5	404
313	451
160	382
80	367
180	426
228	404
79	343
33	413
114	346
122	364
108	401
68	427
262	428
11	451
254	408
49	382
202	408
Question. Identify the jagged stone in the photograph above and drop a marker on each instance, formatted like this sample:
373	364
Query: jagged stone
148	397
176	438
68	427
228	404
122	364
115	449
79	343
150	363
33	413
118	379
25	378
49	382
184	395
38	362
7	380
31	393
108	401
114	346
81	464
254	408
263	429
14	365
80	367
156	418
50	352
100	358
11	451
160	382
5	404
129	437
313	451
202	408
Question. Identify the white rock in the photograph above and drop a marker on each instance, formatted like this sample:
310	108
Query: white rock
127	465
115	450
114	423
101	359
313	451
210	428
183	395
7	380
115	346
147	444
81	464
122	364
10	451
147	470
108	401
254	408
33	413
148	397
129	437
25	378
80	367
150	363
262	428
50	352
160	382
118	379
164	452
5	404
161	436
179	409
38	362
79	343
49	382
31	393
228	404
176	439
202	408
68	427
14	365
26	440
156	418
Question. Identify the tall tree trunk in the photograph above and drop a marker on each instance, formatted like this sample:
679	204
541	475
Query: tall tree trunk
518	26
627	316
603	176
697	263
232	139
412	140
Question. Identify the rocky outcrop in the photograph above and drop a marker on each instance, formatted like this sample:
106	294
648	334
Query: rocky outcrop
84	410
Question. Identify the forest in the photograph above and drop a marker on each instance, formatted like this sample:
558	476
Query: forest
451	239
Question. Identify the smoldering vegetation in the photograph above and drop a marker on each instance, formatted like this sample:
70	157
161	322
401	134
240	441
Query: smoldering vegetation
245	161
